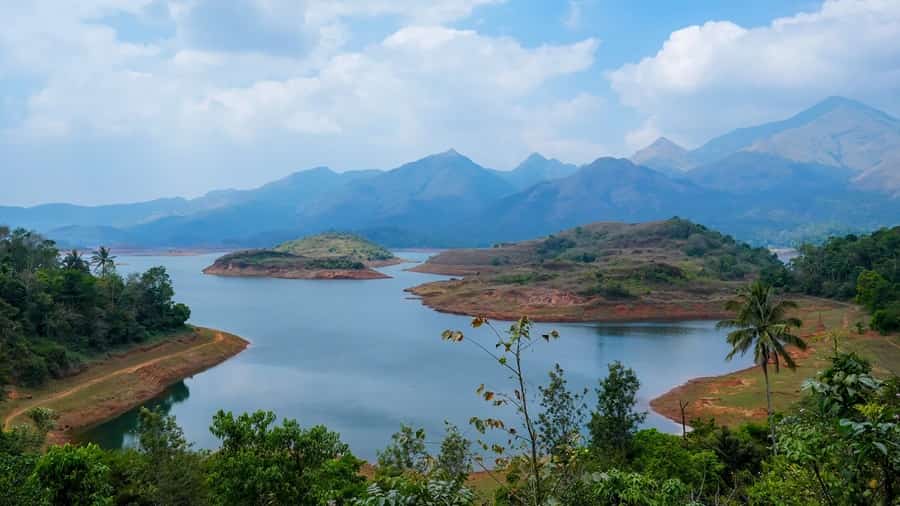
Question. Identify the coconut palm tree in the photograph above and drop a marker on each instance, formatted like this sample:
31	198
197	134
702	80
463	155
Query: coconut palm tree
74	261
761	323
103	261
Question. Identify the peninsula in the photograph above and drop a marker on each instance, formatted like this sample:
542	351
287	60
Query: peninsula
331	255
663	270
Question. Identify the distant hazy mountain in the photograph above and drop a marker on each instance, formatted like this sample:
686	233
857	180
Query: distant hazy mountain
49	216
749	171
535	169
611	189
424	197
836	132
832	168
664	156
268	214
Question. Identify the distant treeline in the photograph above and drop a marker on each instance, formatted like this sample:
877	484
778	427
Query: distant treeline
863	268
56	310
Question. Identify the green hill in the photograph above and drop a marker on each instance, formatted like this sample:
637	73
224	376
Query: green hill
325	256
656	270
337	245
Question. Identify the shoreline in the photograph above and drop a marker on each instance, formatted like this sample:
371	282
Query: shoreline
329	274
738	397
120	382
367	273
587	311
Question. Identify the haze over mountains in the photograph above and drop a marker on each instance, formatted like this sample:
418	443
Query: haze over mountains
832	168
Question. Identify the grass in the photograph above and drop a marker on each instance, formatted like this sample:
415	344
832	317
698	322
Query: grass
334	245
739	397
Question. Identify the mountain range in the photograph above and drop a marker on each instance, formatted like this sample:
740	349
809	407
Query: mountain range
832	168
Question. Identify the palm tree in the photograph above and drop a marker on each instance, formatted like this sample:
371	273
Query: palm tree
74	261
103	261
761	322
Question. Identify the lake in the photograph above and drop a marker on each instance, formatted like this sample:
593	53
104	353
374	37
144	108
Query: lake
362	357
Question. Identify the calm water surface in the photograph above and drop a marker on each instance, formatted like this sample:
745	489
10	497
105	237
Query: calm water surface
362	357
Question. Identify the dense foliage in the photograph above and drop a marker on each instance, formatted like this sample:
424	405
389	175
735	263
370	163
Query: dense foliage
56	310
841	448
861	267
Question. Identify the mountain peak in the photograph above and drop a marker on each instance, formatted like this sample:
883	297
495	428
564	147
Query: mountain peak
534	157
663	155
835	102
663	145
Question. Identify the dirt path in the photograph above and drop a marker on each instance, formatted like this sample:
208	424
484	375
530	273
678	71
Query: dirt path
219	337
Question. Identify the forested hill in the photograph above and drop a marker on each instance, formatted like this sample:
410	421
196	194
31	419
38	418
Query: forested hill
332	245
57	311
864	268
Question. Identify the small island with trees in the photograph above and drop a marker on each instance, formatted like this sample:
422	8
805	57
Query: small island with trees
331	255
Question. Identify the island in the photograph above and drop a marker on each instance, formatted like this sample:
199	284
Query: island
662	270
331	255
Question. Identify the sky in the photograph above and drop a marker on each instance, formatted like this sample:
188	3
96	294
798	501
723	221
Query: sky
106	101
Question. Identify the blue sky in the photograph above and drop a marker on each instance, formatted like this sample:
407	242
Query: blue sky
123	100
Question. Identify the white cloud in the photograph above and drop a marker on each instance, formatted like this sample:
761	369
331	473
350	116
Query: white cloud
720	75
642	136
572	19
204	109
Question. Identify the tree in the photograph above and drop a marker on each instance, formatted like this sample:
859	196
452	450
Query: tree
562	417
74	476
103	261
74	261
172	474
405	453
872	291
761	322
455	460
614	422
523	440
261	464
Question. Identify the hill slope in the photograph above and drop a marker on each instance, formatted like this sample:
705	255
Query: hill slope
325	256
601	271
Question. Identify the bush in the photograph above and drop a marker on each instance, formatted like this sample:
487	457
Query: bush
663	456
33	371
886	320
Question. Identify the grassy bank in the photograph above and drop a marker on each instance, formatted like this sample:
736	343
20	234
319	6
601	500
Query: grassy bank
114	384
740	396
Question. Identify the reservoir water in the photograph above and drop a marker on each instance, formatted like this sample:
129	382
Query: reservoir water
362	357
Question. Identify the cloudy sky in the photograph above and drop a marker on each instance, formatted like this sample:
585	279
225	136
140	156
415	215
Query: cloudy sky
122	100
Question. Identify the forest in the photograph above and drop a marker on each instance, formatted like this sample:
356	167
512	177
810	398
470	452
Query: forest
861	268
57	311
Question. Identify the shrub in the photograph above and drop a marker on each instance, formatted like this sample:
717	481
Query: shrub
886	320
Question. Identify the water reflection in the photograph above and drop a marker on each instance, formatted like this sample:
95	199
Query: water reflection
362	357
645	329
121	432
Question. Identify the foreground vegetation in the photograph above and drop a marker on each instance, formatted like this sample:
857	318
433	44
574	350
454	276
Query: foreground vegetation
843	447
57	313
603	271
